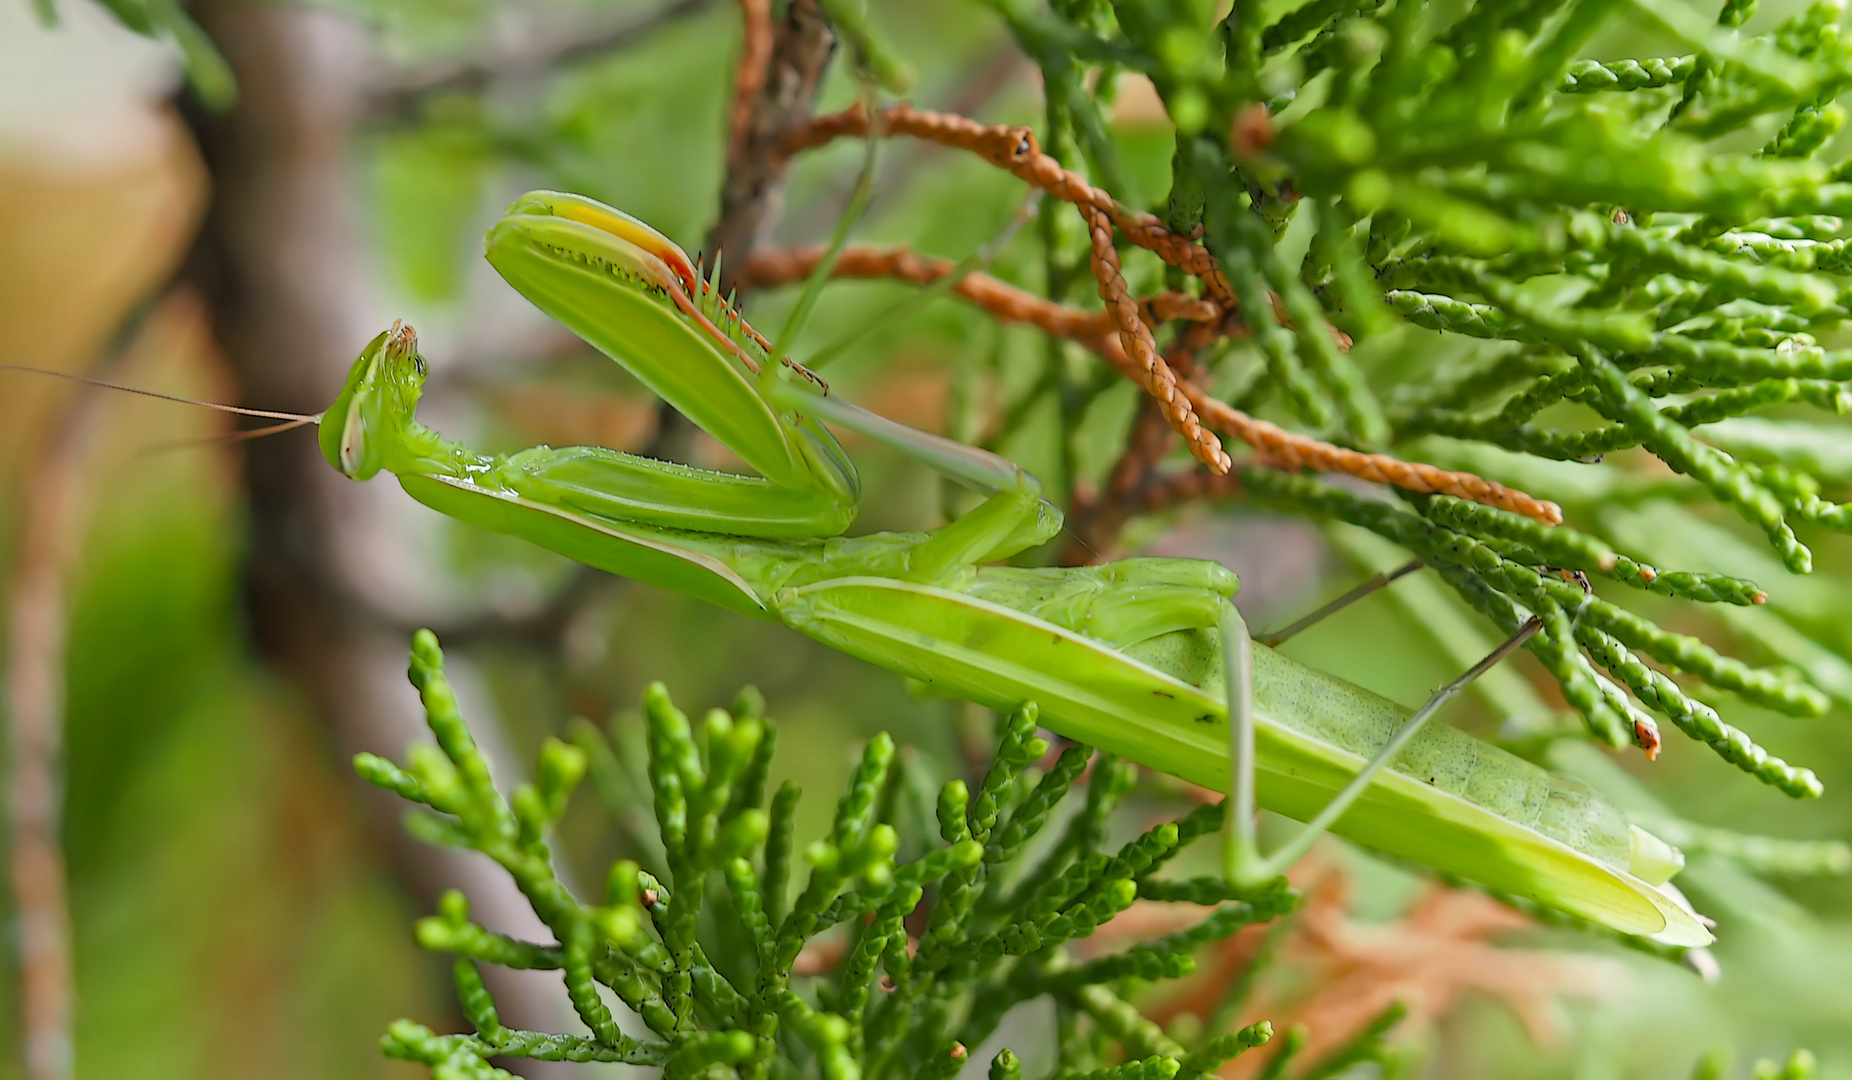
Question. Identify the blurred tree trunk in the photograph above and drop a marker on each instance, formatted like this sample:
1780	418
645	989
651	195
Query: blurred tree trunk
71	278
284	262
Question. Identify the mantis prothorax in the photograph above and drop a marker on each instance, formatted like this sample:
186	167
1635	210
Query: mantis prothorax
1134	657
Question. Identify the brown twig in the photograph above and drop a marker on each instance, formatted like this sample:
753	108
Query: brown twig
1287	450
1003	301
1013	147
1101	332
54	517
753	191
1143	364
1284	449
1164	490
1095	522
749	76
754	187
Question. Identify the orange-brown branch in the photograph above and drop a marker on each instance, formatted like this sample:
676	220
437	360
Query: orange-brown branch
1288	450
769	269
1013	147
1144	366
1104	333
749	76
1285	449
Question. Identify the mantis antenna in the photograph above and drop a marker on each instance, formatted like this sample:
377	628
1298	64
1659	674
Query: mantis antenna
295	419
1380	581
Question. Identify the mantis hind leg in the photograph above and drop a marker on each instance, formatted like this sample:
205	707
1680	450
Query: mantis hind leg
1241	861
1144	598
1124	618
1244	865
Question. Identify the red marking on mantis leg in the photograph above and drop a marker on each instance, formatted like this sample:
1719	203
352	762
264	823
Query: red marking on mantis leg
693	311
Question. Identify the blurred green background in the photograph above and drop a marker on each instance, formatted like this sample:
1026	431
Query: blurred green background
237	625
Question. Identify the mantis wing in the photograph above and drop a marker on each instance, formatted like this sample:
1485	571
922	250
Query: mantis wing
1104	697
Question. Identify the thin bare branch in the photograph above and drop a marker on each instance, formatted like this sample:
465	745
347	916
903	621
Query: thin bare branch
1003	301
1013	147
516	56
54	518
749	76
754	190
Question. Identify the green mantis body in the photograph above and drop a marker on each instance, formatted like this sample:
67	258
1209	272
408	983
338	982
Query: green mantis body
1127	657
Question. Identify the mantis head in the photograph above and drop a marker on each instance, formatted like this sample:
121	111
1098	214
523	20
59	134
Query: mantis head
361	427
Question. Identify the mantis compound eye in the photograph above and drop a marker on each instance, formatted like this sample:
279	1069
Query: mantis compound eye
402	344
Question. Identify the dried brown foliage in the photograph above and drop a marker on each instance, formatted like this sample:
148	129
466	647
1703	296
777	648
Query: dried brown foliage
1335	974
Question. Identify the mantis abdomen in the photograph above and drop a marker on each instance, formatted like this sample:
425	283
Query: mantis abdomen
1450	801
1445	758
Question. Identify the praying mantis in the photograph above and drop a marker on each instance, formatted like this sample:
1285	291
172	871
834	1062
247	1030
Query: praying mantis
1146	658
